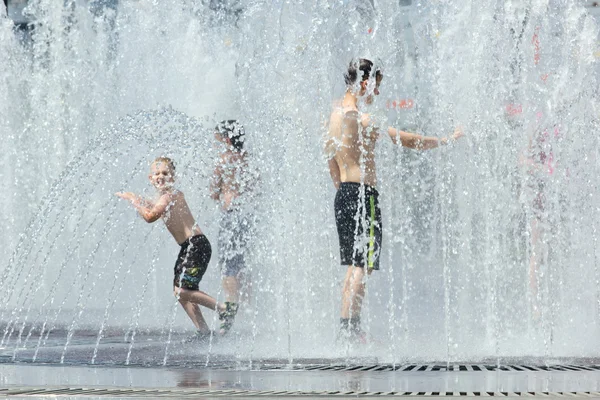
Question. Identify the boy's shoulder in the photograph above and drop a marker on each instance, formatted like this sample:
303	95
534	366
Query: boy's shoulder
172	195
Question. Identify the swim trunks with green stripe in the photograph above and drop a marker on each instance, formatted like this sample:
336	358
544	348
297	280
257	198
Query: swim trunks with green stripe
358	220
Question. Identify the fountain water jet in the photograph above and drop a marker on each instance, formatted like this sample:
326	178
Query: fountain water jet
457	221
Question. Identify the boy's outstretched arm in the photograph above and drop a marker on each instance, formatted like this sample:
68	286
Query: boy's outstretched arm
150	212
420	142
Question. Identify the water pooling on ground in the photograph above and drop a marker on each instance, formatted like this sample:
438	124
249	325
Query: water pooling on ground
135	381
95	91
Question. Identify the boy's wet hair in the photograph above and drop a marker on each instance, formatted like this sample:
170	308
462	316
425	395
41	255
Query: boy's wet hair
364	65
232	130
167	161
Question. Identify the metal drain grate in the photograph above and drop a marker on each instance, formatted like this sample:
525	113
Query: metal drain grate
431	368
437	368
401	368
333	365
132	392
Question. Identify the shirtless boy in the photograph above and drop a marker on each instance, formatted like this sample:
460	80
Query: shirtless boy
195	251
351	155
230	186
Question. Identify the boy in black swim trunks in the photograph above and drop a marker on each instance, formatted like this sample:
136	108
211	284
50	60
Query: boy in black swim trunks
350	148
195	251
231	184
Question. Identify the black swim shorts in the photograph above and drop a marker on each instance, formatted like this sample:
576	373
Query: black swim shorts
358	220
192	262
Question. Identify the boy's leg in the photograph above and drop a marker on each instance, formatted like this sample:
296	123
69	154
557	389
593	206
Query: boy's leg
346	293
229	231
232	267
232	258
231	270
231	286
193	311
198	297
353	292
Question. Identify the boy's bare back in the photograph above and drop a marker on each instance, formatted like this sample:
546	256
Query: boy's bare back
351	142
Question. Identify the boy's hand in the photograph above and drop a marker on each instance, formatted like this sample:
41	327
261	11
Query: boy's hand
126	196
123	195
458	133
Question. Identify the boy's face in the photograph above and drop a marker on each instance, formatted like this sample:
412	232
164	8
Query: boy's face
368	88
223	139
161	176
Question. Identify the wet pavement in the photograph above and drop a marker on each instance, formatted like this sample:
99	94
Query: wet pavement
200	370
285	380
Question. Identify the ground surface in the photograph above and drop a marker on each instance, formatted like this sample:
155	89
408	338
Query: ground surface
198	370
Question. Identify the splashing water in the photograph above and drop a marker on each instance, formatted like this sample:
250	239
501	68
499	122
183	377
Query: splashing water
489	246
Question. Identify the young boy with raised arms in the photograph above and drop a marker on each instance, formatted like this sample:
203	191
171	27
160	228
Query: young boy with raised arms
195	249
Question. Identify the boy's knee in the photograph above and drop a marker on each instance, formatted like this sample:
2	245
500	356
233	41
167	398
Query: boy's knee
357	275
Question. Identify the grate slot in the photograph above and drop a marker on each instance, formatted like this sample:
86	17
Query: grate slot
556	368
371	367
569	368
383	368
408	368
582	367
311	368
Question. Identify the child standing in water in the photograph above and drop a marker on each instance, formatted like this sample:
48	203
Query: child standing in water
195	251
230	186
350	149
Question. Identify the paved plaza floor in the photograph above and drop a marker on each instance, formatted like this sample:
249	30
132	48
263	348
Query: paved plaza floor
199	371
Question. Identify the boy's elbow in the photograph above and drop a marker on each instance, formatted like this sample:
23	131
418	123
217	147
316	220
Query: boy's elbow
151	217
